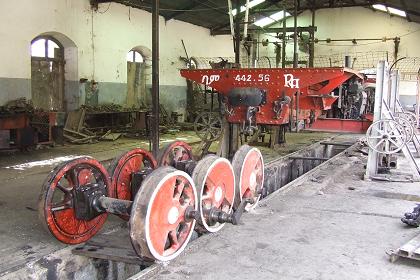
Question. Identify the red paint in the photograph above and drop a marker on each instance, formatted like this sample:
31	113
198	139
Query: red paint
315	87
252	166
340	125
219	176
166	238
63	224
127	164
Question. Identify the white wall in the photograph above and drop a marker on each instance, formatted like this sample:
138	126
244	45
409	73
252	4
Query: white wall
115	31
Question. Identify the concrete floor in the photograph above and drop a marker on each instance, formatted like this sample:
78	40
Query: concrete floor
331	225
23	239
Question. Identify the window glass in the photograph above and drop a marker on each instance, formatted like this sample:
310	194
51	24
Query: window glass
138	57
134	56
130	57
51	47
38	48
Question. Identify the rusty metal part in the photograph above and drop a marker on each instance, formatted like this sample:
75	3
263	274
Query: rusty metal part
159	228
174	152
248	165
215	182
208	126
56	202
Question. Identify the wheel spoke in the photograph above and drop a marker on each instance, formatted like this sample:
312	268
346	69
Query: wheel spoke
62	188
379	143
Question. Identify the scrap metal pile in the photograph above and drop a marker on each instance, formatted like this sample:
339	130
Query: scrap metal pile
165	201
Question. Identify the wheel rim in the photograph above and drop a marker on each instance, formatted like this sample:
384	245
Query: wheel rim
215	181
386	136
208	126
158	227
173	152
408	127
409	116
124	166
248	165
56	207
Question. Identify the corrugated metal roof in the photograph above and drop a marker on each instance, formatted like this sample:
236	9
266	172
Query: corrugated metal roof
213	14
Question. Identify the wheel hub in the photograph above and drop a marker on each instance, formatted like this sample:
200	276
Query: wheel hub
173	215
218	194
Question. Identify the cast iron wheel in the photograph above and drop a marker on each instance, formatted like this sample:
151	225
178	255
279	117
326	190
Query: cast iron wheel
208	126
215	182
122	168
56	209
386	137
173	152
159	229
248	165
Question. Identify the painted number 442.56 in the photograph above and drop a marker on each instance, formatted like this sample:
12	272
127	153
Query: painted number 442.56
251	78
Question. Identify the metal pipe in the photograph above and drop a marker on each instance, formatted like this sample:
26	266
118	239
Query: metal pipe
246	19
312	42
295	43
283	54
113	205
155	77
232	28
237	32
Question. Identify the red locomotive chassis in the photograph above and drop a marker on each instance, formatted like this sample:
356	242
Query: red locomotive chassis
314	85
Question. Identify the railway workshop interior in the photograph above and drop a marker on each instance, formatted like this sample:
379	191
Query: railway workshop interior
214	139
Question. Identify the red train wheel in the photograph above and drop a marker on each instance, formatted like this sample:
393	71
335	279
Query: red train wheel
175	151
215	182
248	165
123	166
56	209
158	227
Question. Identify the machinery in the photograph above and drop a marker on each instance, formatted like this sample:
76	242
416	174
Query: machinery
163	200
271	98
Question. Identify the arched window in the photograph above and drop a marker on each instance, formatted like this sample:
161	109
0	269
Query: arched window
46	47
47	73
134	56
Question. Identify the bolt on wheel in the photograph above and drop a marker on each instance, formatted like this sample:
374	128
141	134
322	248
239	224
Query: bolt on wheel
173	152
215	182
56	202
159	228
248	165
386	136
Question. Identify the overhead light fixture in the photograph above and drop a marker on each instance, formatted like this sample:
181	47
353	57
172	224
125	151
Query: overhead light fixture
380	7
271	19
390	10
251	5
397	12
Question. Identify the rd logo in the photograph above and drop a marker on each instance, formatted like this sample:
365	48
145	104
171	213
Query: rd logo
290	81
